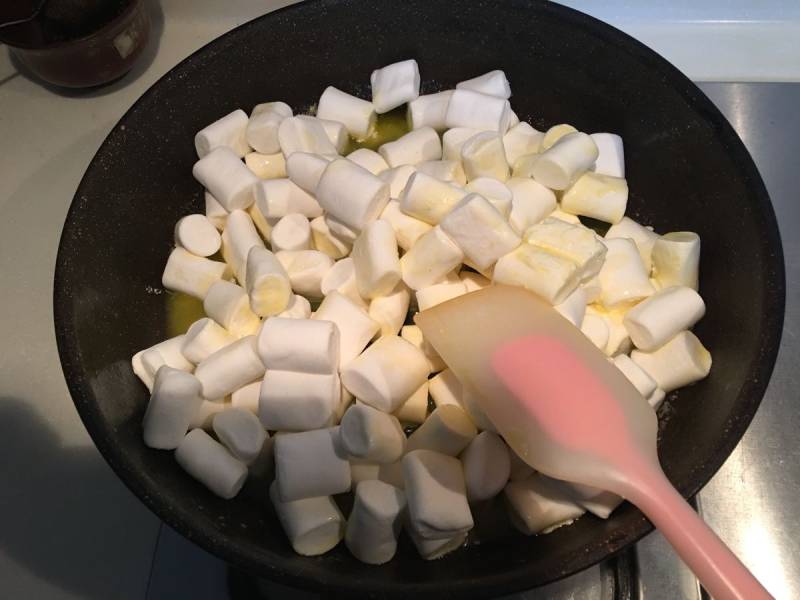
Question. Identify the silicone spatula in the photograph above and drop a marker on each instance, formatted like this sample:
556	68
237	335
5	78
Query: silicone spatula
569	413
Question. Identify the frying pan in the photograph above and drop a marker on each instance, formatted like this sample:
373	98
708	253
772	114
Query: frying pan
687	170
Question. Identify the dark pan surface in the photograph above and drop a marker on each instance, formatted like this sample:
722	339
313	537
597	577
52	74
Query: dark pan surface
687	170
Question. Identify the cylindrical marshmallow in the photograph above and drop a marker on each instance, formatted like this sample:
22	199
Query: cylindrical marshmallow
623	278
415	409
226	177
407	229
375	522
447	430
429	260
357	115
618	339
679	362
215	212
391	310
555	133
305	170
363	471
238	237
203	338
643	237
341	277
531	203
302	345
325	241
352	194
230	368
262	224
565	217
211	464
449	171
600	197
495	191
429	110
435	549
662	316
241	433
246	397
611	156
643	383
313	525
413	334
268	285
175	399
522	168
592	289
547	275
596	501
394	85
344	232
368	159
290	401
397	179
369	434
416	146
483	155
304	134
521	140
292	232
487	466
574	242
146	363
538	504
676	259
430	296
337	134
262	128
190	274
375	260
478	111
374	376
299	308
229	132
266	166
566	160
356	328
493	83
573	308
445	389
436	495
229	305
198	235
276	198
656	398
428	199
204	416
454	139
305	268
310	464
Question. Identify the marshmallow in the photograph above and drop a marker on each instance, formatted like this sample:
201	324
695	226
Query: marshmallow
676	259
229	305
531	203
292	232
197	235
521	140
566	217
175	399
576	243
310	464
305	268
337	134
656	398
437	293
472	109
268	286
292	401
519	469
238	237
299	308
368	159
228	132
539	505
448	430
241	433
662	316
211	464
487	466
375	522
449	171
555	133
190	274
301	345
493	83
375	260
522	168
305	170
397	178
417	146
313	525
230	368
352	194
565	161
433	549
643	383
369	434
263	225
445	389
573	308
429	260
600	197
480	231
203	338
547	275
374	376
483	156
623	278
428	199
262	128
611	156
357	115
598	502
413	334
429	110
215	212
391	310
276	198
356	328
436	494
473	281
679	362
592	289
323	240
619	342
407	229
280	108
204	416
246	397
304	134
643	237
454	139
394	85
226	177
495	191
347	234
341	277
415	409
146	363
266	166
363	471
346	400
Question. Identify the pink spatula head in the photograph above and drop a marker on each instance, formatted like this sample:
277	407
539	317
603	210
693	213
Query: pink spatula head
569	413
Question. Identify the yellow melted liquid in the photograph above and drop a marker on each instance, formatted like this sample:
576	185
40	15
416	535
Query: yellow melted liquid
182	311
388	128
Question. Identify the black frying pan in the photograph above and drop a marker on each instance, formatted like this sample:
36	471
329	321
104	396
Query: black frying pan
687	170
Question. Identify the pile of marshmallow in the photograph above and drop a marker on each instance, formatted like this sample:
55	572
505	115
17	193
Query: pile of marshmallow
471	196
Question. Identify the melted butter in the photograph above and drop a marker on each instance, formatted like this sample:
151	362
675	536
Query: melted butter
388	128
182	311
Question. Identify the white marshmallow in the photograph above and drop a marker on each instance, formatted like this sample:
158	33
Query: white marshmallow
449	171
416	146
276	198
429	110
305	268
266	166
436	494
522	168
619	342
268	286
600	197
211	464
478	111
229	305
573	308
344	232
397	178
262	224
565	161
368	159
555	133
363	471
305	170
445	389
547	275
204	416
566	217
375	522
521	140
487	466
352	194
301	345
238	237
662	316
429	260
415	409
495	191
519	468
643	383
229	132
374	376
341	277
246	397
531	203
369	434
428	199
592	289
413	334
679	362
241	433
310	464
190	274
454	139
433	549
437	293
197	235
623	278
643	237
483	155
375	260
656	398
448	430
169	352
304	134
480	231
203	338
539	505
576	243
292	232
394	85
230	368
391	310
676	259
337	134
226	177
473	281
611	156
493	83
175	399
299	308
280	108
598	502
355	326
357	115
313	525
262	131
215	212
407	229
326	242
292	401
